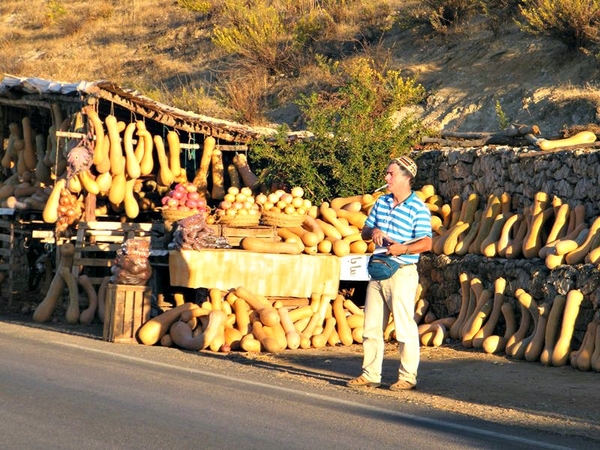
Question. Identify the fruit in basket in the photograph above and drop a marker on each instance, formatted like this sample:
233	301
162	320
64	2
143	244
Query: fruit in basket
238	202
184	197
280	201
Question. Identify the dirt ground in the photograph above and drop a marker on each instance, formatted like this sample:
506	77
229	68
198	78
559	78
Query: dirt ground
492	387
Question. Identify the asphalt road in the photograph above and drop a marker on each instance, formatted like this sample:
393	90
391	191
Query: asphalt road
63	391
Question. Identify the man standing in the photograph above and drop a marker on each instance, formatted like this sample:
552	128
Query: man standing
400	223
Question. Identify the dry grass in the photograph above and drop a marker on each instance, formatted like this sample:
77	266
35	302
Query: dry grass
164	49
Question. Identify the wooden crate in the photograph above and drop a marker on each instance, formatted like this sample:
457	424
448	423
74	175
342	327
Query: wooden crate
127	308
234	235
97	243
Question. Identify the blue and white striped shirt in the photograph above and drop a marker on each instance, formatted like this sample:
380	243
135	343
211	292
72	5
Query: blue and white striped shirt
409	220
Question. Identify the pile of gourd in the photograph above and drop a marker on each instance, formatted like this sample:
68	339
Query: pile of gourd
244	320
549	229
121	169
544	332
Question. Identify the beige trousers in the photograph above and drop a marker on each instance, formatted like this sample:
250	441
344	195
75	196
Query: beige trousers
395	295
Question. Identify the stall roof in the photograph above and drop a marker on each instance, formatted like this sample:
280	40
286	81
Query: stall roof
39	92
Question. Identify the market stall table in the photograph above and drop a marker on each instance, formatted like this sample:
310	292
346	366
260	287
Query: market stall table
272	275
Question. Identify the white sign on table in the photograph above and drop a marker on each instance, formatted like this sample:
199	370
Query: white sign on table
354	268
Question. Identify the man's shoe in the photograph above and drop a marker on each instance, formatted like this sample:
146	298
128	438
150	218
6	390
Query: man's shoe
360	382
402	385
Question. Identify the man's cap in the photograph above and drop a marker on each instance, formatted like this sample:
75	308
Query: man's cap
406	163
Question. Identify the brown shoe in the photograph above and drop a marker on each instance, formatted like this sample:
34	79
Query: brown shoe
360	382
402	385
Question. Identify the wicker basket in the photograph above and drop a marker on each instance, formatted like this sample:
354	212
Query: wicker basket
173	215
282	220
244	220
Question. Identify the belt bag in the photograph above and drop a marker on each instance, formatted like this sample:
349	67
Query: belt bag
382	266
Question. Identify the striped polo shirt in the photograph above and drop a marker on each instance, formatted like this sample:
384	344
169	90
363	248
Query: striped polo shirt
408	220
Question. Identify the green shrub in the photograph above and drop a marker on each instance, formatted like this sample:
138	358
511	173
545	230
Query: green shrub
574	22
355	135
256	32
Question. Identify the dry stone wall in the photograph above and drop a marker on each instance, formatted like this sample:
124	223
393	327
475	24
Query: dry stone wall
572	175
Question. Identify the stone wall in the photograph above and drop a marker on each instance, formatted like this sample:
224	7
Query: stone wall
573	176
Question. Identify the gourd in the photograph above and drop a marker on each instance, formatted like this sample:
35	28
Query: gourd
98	132
44	310
115	152
300	313
132	165
154	329
147	162
496	343
452	237
29	153
249	343
87	315
234	176
50	213
42	171
315	321
521	332
488	328
584	357
116	194
517	350
268	315
475	291
308	238
479	317
328	229
181	333
533	240
514	249
268	343
343	329
560	354
320	340
420	309
233	338
103	149
248	177
462	246
291	335
88	182
261	246
200	179
165	176
578	255
356	218
311	224
218	175
488	245
536	345
556	311
132	207
509	226
560	225
583	137
175	155
487	220
340	202
464	304
329	215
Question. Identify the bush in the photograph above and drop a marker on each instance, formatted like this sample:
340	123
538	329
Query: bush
354	136
444	14
574	22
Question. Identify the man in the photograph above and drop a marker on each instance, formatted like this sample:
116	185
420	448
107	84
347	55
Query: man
400	223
